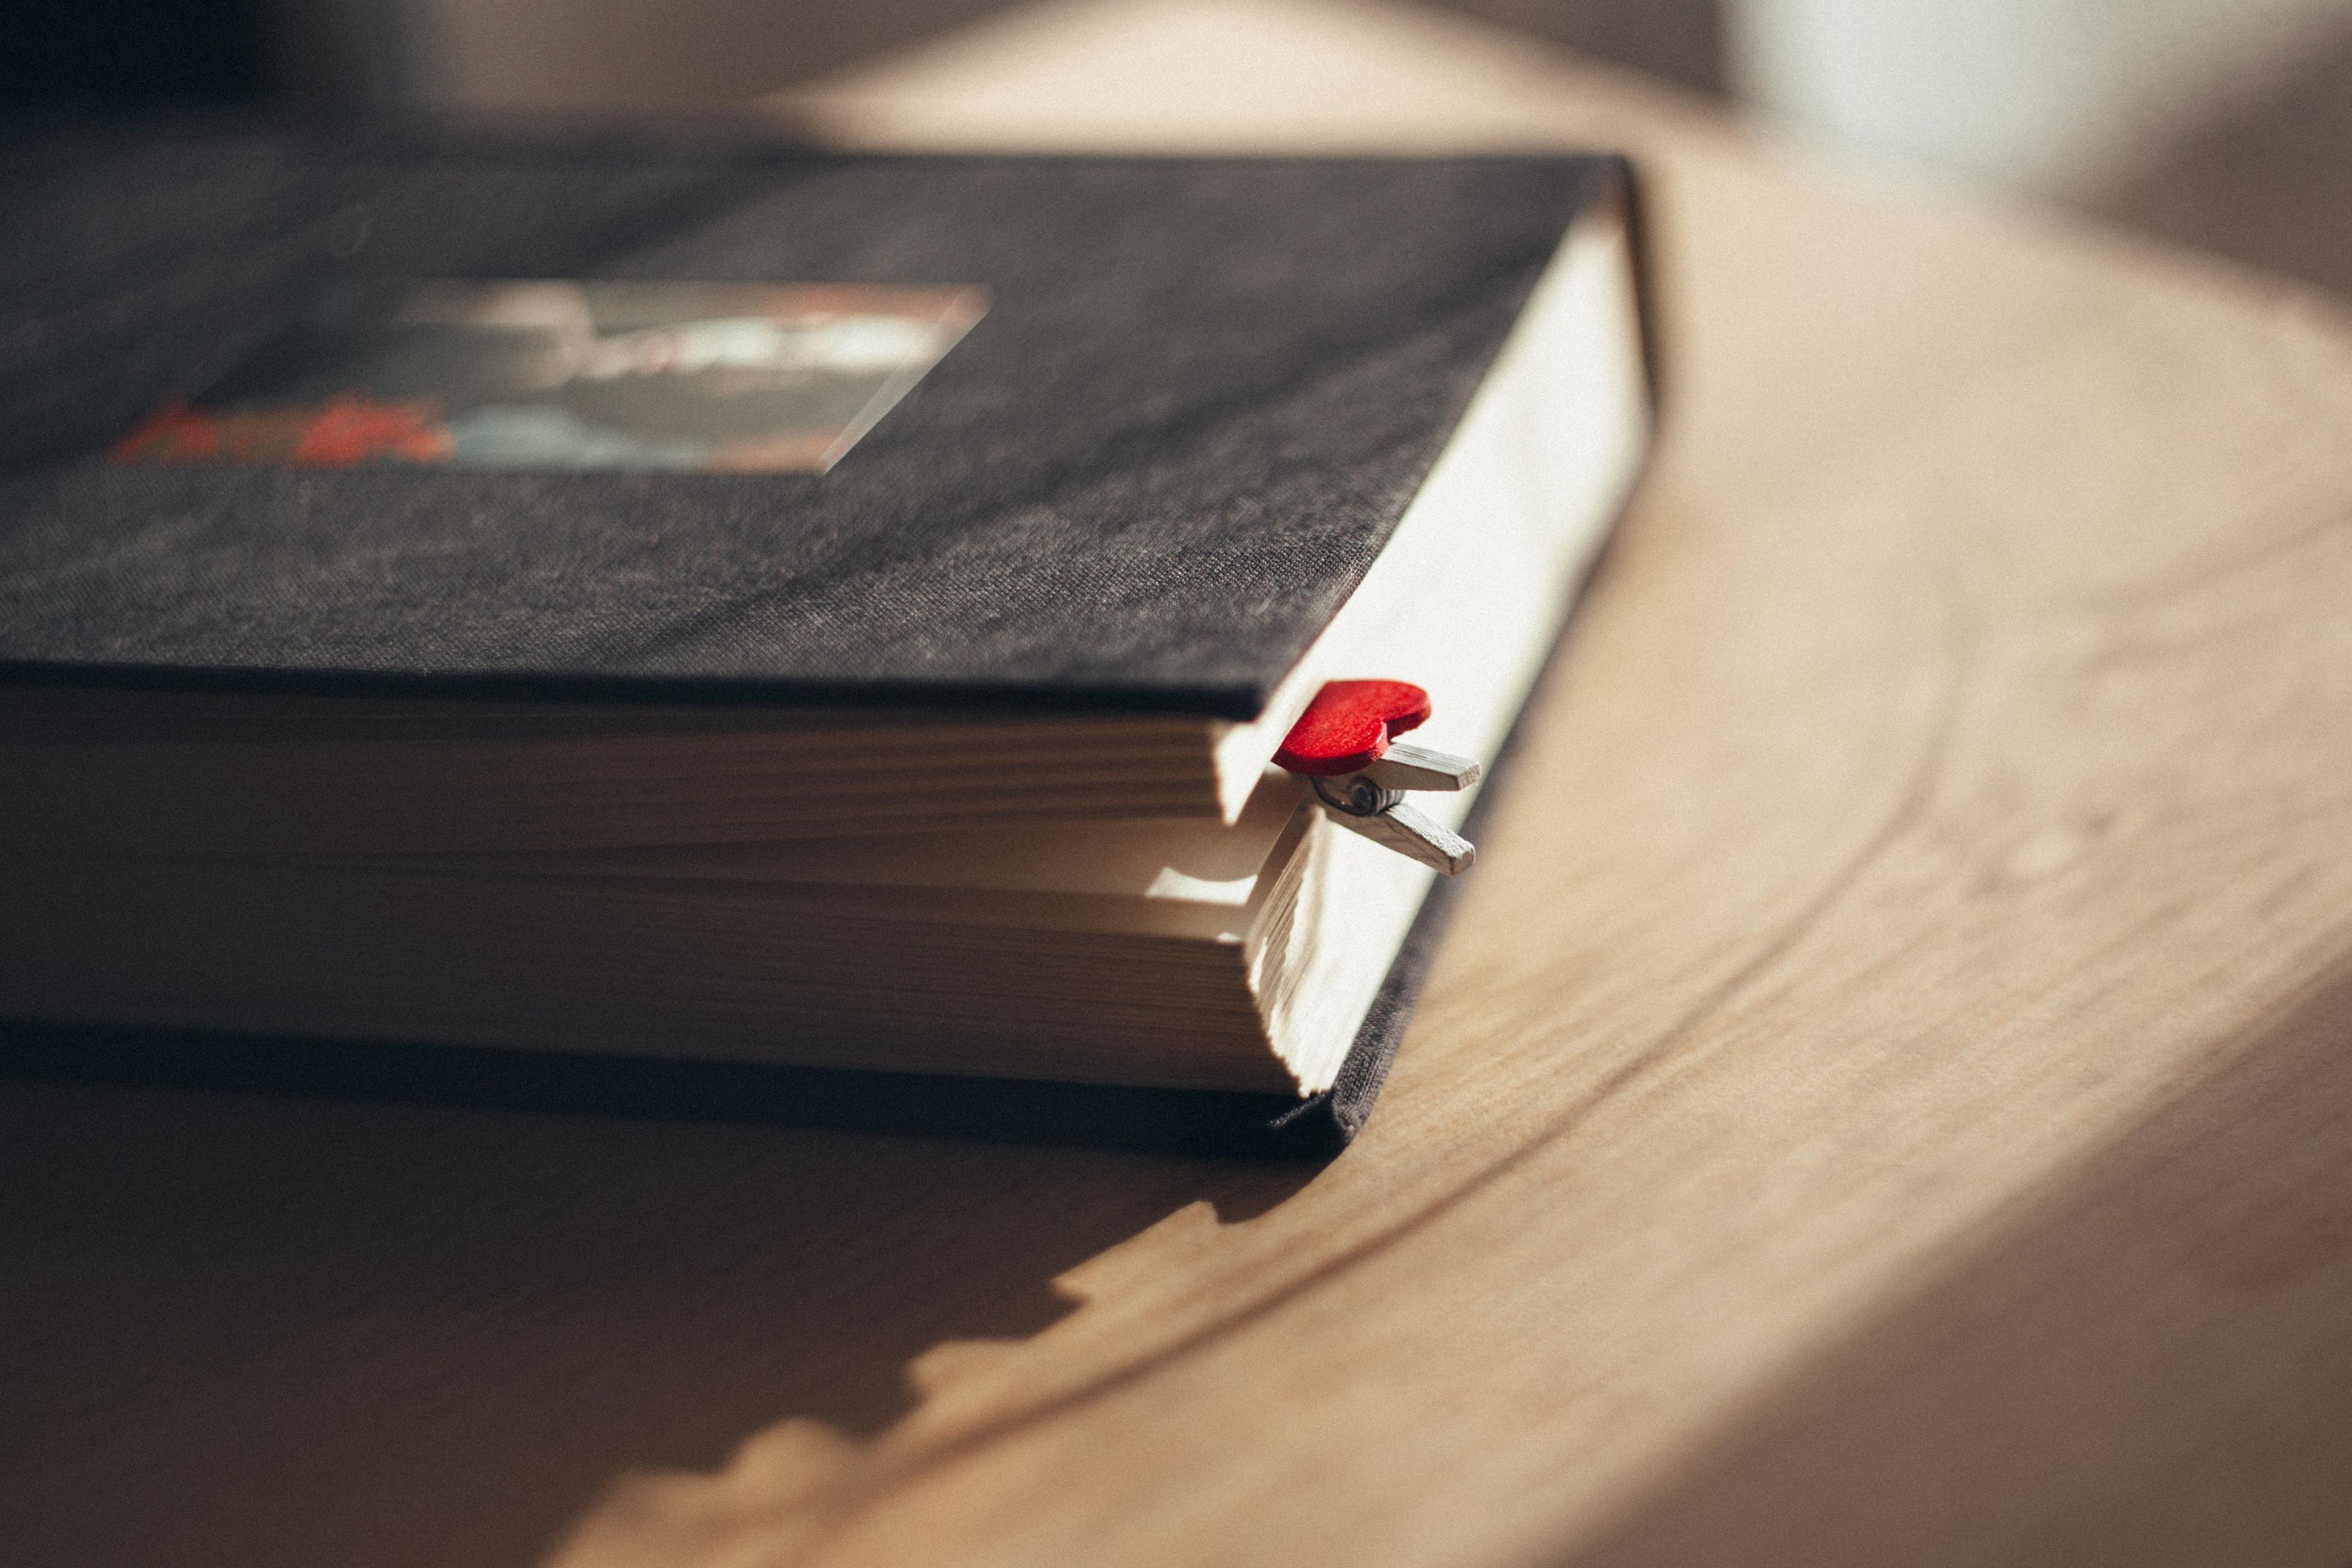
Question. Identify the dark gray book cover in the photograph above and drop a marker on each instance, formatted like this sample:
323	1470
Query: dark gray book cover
1199	396
1203	393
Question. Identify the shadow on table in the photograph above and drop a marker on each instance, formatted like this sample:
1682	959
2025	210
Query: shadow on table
241	1330
2156	1349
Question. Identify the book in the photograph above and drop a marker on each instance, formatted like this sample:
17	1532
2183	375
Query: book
710	625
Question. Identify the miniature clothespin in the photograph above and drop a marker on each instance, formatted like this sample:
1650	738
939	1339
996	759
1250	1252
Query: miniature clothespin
1342	745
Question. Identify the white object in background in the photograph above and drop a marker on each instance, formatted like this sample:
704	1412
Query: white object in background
2052	96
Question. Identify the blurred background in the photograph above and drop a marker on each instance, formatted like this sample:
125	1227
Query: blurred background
2223	124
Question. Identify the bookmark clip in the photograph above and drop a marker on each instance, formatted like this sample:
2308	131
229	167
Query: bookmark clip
1343	745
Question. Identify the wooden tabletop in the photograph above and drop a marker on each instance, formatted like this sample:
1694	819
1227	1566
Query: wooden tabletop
1887	1096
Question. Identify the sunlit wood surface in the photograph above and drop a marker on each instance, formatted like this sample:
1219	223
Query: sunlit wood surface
1887	1097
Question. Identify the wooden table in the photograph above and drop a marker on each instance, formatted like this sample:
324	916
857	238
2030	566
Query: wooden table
1887	1098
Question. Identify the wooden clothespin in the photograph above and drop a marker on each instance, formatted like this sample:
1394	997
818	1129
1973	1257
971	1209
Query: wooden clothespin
1343	746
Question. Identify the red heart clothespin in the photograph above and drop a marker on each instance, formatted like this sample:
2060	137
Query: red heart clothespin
1345	746
1350	724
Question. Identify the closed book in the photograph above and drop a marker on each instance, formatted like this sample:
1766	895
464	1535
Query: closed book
678	622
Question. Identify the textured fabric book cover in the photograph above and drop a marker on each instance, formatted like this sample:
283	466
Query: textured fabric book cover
1183	405
1202	392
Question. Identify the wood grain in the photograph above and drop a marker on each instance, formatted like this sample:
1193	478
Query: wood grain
1885	1098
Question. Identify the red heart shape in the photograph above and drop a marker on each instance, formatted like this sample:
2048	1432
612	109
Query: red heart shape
1349	725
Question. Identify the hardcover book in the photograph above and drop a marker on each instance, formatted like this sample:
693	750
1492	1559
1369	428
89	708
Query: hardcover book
682	622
